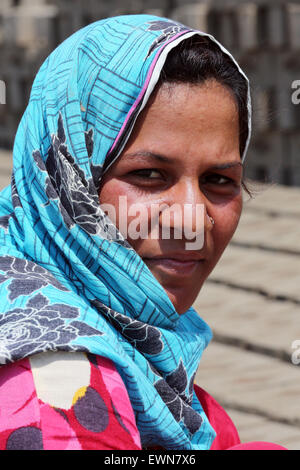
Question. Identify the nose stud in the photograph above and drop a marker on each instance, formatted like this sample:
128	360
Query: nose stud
211	220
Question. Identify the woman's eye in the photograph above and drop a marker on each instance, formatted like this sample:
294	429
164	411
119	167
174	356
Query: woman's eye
218	179
148	173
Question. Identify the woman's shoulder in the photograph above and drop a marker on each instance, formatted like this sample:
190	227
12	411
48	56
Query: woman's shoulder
65	401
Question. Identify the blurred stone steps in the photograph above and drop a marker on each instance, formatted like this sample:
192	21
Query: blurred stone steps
264	429
5	167
253	383
247	319
273	274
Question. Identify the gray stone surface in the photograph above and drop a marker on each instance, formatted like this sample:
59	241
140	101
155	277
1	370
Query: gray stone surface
261	429
5	167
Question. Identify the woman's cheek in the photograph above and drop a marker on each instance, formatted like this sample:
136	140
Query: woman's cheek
226	222
126	209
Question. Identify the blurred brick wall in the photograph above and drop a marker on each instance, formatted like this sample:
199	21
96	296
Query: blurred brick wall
264	36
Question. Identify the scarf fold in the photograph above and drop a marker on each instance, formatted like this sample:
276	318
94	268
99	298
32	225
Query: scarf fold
68	279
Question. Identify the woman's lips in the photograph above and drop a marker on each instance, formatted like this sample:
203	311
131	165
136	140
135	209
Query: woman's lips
174	266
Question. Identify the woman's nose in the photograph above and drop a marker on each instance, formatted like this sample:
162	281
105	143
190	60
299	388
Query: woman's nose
185	212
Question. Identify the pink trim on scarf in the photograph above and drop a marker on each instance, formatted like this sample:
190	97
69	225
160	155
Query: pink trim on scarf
142	92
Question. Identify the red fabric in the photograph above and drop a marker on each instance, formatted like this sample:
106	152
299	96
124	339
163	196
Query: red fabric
95	418
227	435
257	446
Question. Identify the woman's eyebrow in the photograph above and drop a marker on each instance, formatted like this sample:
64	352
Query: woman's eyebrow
226	166
162	158
146	155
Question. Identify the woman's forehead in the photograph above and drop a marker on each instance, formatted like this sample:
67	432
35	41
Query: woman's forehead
188	117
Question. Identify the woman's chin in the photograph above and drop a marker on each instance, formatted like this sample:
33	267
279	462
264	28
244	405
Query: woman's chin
183	289
182	284
181	298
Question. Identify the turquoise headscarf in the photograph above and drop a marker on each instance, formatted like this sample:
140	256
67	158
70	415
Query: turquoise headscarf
68	279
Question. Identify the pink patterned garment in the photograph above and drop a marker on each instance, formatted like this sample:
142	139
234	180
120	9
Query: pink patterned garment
74	401
65	401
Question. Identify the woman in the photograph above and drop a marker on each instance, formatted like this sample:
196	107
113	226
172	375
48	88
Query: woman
143	110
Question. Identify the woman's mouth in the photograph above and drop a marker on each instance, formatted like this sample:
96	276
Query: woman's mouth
174	266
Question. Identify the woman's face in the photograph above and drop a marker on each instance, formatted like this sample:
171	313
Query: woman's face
184	150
